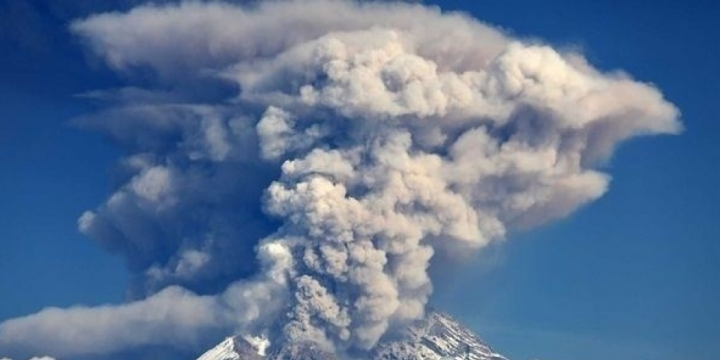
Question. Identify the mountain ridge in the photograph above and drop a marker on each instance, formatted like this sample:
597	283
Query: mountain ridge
438	336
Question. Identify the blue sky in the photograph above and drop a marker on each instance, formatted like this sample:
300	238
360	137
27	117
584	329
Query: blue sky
633	275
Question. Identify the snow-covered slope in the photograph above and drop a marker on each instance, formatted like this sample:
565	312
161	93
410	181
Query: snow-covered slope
223	351
234	348
437	337
239	348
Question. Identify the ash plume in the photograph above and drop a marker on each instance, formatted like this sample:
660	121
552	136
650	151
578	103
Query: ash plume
293	166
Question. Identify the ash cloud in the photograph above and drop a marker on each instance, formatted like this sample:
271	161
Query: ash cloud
359	140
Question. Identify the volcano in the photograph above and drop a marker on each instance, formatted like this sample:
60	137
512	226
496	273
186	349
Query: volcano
438	336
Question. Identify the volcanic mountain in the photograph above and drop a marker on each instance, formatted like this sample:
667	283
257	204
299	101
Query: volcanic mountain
437	336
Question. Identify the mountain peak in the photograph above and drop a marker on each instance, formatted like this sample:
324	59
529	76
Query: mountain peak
438	336
236	348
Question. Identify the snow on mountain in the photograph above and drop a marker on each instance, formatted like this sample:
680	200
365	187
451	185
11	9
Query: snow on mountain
235	348
437	337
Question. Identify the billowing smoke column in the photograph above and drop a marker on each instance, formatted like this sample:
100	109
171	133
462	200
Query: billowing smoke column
294	166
